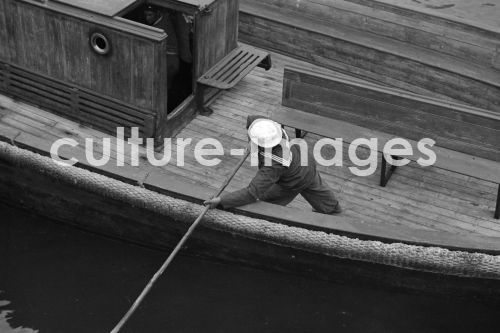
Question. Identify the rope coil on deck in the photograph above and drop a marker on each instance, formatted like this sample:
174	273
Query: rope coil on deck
428	259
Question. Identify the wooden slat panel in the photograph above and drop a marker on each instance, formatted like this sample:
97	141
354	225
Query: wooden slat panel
55	44
85	106
239	57
42	100
233	72
64	90
42	91
86	95
232	58
110	111
39	90
41	85
100	117
233	67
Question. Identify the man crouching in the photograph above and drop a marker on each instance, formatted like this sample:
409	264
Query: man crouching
281	177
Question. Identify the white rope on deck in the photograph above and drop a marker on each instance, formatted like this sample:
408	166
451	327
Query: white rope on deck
427	259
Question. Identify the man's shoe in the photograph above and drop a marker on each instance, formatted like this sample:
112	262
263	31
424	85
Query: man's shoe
337	209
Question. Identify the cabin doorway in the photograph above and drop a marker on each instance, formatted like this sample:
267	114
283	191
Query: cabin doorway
179	29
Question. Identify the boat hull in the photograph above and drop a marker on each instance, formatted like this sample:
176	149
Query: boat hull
66	202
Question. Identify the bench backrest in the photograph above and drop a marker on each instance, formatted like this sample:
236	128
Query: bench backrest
454	126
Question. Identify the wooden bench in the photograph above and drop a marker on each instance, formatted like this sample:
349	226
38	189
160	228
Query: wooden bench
467	139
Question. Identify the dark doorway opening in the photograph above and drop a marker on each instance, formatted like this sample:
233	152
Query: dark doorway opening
179	28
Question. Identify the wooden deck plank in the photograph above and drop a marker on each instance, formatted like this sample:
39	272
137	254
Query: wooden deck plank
408	207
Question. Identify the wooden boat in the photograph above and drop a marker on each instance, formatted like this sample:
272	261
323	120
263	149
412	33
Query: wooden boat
430	230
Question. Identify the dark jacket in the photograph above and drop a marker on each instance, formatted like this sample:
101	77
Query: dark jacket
294	178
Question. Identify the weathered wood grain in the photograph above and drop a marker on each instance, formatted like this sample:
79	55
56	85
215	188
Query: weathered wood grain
142	85
4	39
55	44
215	35
476	132
160	90
78	104
405	64
463	43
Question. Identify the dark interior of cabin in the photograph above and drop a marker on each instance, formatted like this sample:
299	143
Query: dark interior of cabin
179	29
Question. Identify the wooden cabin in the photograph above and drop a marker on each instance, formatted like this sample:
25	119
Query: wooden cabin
99	63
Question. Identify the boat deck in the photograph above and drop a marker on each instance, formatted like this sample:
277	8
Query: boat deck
422	199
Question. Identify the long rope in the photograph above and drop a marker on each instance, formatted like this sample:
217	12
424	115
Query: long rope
179	245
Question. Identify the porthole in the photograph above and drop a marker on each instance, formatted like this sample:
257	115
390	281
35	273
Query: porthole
100	43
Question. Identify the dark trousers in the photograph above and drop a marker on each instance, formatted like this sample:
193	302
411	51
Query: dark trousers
318	194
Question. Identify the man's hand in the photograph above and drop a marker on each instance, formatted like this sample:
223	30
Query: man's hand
212	203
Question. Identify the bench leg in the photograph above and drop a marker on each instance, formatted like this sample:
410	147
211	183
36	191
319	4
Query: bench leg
298	133
497	209
200	96
266	63
384	174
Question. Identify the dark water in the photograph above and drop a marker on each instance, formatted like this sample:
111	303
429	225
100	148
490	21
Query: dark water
54	278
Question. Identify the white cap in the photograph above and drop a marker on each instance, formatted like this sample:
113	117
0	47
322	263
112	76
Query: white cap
265	133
